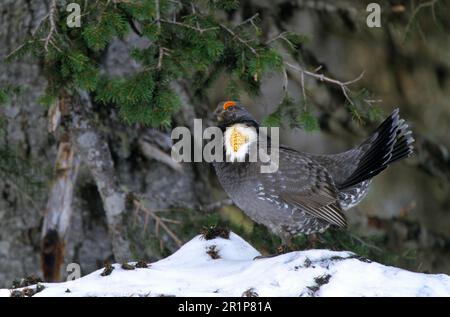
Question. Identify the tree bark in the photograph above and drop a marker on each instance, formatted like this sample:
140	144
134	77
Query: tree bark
58	212
95	153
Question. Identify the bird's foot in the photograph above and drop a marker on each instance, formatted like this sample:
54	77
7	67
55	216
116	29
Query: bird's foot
282	249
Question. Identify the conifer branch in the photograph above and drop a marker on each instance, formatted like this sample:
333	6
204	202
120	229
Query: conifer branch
194	11
18	48
158	23
237	37
51	18
302	81
39	24
282	37
201	30
250	20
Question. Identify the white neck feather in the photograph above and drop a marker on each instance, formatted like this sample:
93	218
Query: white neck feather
238	139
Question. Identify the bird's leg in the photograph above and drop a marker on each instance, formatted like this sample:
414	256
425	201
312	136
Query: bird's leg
287	242
281	249
285	246
312	241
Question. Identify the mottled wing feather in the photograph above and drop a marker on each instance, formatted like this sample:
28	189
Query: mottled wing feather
306	185
318	205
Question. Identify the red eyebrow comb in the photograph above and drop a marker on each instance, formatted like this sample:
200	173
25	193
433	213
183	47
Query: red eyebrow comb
228	104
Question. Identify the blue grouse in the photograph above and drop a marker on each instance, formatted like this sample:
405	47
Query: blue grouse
308	192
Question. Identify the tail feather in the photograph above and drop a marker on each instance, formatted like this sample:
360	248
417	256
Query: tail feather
391	141
404	145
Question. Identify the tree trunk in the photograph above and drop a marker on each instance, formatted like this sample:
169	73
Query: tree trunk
94	152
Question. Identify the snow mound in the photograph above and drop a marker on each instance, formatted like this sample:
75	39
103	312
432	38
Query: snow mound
226	267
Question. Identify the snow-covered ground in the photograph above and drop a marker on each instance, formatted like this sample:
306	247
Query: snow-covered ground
226	267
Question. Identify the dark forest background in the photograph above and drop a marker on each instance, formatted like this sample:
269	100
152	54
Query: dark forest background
51	120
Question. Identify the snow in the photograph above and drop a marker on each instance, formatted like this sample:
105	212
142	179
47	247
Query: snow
191	271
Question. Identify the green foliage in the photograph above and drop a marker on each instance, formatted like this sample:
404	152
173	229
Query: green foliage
109	24
76	67
141	10
142	98
227	5
3	96
7	91
307	121
197	47
375	114
292	114
272	120
260	64
293	42
363	111
29	46
46	100
296	39
137	89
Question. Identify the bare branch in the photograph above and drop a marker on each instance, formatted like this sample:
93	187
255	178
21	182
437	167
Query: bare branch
250	20
39	24
302	80
158	24
159	222
194	11
237	37
416	11
281	36
152	151
323	78
20	47
188	26
285	80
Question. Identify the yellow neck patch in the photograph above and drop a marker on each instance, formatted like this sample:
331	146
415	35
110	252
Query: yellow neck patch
237	139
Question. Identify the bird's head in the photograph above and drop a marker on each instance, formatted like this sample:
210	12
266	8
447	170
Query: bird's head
229	113
240	129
